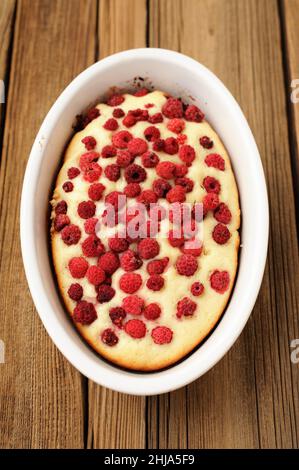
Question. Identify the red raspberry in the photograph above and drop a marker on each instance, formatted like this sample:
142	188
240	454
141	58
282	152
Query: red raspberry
166	170
130	261
73	172
171	146
108	151
211	185
181	171
92	173
155	118
68	186
149	105
175	241
109	337
124	158
117	315
173	108
132	190
161	187
135	328
147	197
186	183
162	335
133	304
148	248
176	125
61	208
141	92
130	282
118	244
90	225
135	173
115	100
112	172
95	275
105	293
155	282
71	234
75	292
139	114
152	311
186	265
95	191
206	142
118	113
181	139
84	313
60	221
111	124
193	113
187	154
157	266
78	267
215	160
220	281
176	194
185	307
158	145
92	246
152	133
210	202
86	209
116	199
192	247
149	159
89	142
137	146
109	262
197	289
223	214
121	139
87	158
129	120
221	234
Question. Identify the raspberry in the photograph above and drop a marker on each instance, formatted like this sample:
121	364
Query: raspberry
152	311
141	92
132	190
108	151
89	142
181	139
155	282
175	241
176	125
187	154
137	146
112	172
116	199
215	160
210	202
221	234
87	158
162	335
71	234
86	209
130	282
109	262
181	171
133	304
211	185
166	170
206	142
115	100
197	289
117	315
157	266
176	194
105	293
161	187
92	173
109	337
118	244
68	186
223	214
61	208
90	225
149	105
75	292
135	173
91	114
129	120
92	246
186	183
135	328
148	248
95	275
121	139
84	313
73	172
147	197
155	118
185	307
152	133
118	113
130	261
60	221
171	146
158	145
111	124
186	265
149	159
192	247
95	191
173	108
139	114
220	281
124	158
78	267
193	113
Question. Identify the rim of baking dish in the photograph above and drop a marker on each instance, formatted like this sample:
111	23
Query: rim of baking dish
187	370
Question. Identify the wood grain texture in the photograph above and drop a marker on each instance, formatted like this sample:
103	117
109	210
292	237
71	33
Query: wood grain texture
116	420
41	399
250	399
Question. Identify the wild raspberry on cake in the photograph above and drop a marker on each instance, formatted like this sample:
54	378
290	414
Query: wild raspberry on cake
148	248
173	108
91	114
197	289
130	282
192	247
166	170
61	208
221	234
193	113
86	209
187	154
150	159
60	221
109	337
162	335
147	197
124	158
117	316
78	267
92	246
109	262
121	139
211	185
176	125
92	173
220	281
132	189
185	307
161	187
118	244
130	261
151	133
75	292
171	146
71	234
156	118
112	172
186	183
176	194
155	282
90	225
129	120
95	275
135	328
135	173
116	199
87	158
73	172
118	113
157	266
174	239
68	187
137	146
115	100
158	145
84	313
89	142
95	191
108	151
186	265
152	311
133	304
141	92
111	124
215	160
210	202
206	142
182	139
105	293
223	214
180	170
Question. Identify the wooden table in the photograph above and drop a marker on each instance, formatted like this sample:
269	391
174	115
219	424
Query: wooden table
251	398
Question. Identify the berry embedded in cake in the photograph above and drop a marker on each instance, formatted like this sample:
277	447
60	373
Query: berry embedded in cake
144	229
